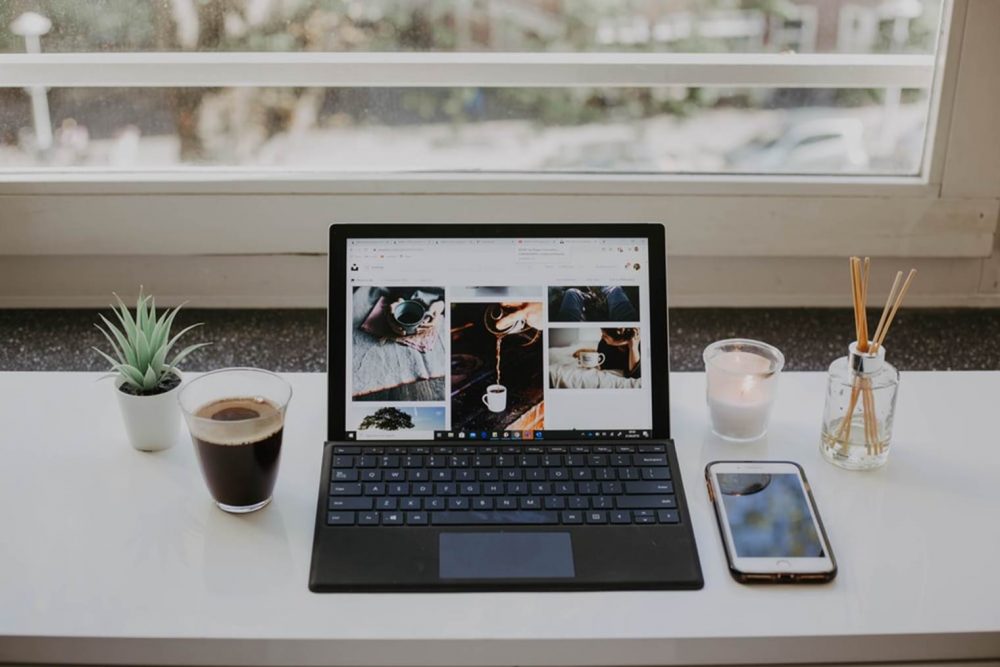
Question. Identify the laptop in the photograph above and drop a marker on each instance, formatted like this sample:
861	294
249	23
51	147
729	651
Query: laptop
498	412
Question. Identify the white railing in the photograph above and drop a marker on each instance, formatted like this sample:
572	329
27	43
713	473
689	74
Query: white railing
494	70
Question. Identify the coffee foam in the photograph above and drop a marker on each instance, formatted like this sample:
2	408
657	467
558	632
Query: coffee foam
241	432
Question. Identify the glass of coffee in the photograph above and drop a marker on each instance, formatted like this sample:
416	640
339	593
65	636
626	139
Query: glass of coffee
236	417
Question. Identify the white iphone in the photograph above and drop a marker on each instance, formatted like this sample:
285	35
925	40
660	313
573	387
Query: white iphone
770	526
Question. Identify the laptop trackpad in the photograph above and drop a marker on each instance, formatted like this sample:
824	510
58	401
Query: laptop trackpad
505	555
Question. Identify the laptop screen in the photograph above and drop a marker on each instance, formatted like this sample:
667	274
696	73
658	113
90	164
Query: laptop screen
498	339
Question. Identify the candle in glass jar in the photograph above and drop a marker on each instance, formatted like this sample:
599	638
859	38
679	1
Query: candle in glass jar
741	381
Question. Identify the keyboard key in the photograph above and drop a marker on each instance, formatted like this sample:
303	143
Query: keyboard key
375	489
340	518
578	503
535	475
373	450
344	476
620	516
446	489
482	461
416	518
541	488
602	449
652	448
564	488
601	502
506	503
340	449
575	461
517	489
628	473
418	450
506	461
338	503
483	503
597	460
409	504
555	502
392	518
558	474
368	518
399	489
471	489
531	503
528	461
531	449
605	474
343	461
647	502
588	488
417	475
458	503
625	449
371	475
337	489
581	474
443	450
367	461
489	474
437	461
394	475
493	488
465	475
611	488
459	461
413	461
643	519
620	460
388	461
511	474
551	460
396	450
389	503
572	517
423	489
488	450
655	473
434	503
599	516
644	460
668	516
493	518
649	487
443	475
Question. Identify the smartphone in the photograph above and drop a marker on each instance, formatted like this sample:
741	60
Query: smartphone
769	523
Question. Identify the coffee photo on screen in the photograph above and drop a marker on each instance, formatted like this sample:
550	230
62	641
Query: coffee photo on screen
607	303
497	379
595	358
397	344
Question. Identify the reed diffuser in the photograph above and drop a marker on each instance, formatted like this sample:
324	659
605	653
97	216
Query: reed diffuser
862	387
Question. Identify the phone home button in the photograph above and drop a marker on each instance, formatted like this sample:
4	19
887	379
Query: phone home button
783	564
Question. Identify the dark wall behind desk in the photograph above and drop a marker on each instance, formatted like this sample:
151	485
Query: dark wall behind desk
294	340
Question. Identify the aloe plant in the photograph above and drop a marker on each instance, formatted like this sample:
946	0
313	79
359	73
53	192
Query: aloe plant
141	345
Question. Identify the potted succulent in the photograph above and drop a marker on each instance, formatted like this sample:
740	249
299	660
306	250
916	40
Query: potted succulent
146	382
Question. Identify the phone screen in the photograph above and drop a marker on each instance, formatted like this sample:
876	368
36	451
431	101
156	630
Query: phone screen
769	516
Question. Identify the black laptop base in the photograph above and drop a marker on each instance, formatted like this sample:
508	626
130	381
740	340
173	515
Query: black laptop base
381	528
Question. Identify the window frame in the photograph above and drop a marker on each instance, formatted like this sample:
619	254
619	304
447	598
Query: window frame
949	209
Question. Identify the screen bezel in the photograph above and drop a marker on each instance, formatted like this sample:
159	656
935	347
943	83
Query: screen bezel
337	277
768	565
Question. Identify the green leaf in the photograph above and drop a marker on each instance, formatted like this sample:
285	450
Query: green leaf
156	363
125	317
150	380
184	353
143	353
181	333
111	360
114	347
123	345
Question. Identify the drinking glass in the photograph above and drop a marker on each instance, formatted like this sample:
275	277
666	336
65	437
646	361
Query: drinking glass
236	417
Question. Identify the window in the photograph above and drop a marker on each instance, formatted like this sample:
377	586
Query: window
838	87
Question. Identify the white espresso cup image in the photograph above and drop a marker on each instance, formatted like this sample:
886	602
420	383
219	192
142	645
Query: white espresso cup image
495	398
590	359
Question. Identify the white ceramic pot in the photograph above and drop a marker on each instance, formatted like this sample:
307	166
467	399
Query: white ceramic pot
152	422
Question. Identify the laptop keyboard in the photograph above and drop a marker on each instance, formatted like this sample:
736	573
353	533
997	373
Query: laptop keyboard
501	485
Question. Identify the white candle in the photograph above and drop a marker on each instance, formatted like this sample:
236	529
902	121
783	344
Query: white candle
741	383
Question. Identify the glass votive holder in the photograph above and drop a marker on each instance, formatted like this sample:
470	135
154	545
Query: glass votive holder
741	382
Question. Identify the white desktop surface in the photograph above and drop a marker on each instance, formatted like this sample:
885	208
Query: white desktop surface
113	556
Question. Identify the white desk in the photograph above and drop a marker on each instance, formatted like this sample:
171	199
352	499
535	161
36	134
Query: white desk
112	556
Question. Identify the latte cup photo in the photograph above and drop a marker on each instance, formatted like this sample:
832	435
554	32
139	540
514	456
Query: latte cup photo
406	317
590	359
495	398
